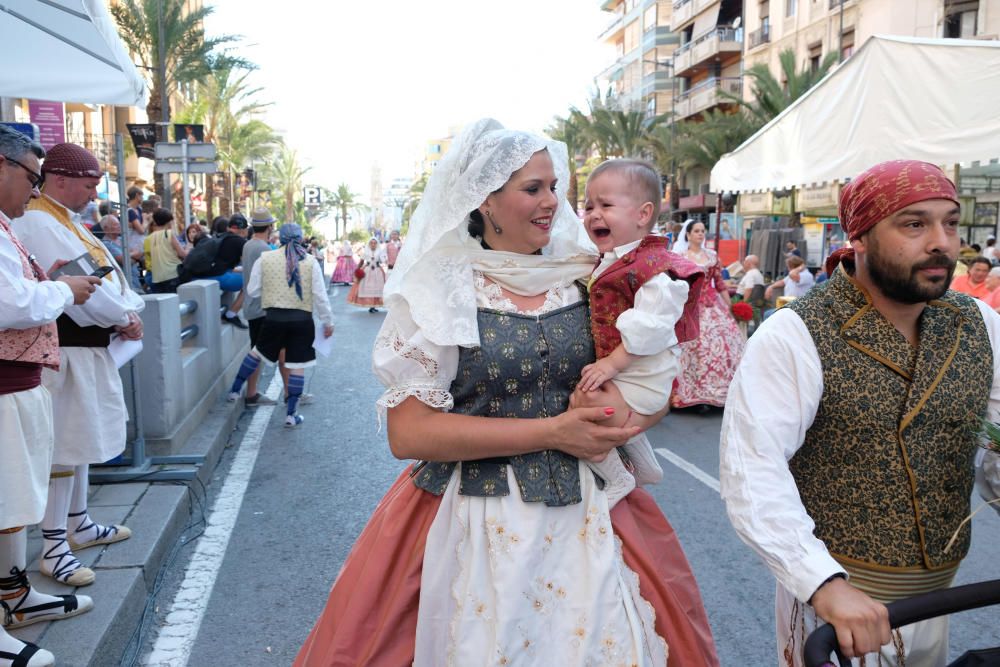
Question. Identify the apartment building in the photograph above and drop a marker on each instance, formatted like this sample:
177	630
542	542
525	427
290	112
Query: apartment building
708	58
644	43
814	28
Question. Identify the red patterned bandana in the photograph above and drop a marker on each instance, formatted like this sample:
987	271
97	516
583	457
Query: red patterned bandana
71	160
880	191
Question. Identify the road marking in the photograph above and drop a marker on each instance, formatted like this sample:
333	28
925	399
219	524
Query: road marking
690	469
175	639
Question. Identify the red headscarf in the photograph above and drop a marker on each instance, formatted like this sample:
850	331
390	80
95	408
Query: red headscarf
880	191
71	160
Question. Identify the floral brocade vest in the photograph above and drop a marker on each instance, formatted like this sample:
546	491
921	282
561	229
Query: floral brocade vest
613	292
886	469
526	366
36	345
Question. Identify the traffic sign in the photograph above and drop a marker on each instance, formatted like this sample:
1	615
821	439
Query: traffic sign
175	151
312	196
163	167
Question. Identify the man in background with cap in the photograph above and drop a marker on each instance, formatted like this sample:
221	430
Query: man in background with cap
29	306
849	440
88	403
227	259
262	222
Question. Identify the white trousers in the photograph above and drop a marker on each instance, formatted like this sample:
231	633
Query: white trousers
25	456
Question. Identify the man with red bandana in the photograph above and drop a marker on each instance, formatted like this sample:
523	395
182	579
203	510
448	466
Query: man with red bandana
849	447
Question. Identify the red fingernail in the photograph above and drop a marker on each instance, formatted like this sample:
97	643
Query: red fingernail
609	411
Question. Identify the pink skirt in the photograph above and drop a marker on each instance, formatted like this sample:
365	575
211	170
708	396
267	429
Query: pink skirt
371	615
344	271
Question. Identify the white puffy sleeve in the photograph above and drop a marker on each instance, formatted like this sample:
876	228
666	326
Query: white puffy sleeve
648	326
772	402
408	364
988	463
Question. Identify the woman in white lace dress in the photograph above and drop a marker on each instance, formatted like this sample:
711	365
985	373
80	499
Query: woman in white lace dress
499	547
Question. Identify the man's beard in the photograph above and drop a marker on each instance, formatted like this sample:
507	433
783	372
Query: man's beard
903	284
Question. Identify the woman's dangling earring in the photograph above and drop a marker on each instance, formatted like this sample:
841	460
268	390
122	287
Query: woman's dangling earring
496	228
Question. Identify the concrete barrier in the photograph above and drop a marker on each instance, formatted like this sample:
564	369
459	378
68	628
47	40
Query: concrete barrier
179	380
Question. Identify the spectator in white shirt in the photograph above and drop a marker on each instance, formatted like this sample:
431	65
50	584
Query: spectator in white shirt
751	277
796	283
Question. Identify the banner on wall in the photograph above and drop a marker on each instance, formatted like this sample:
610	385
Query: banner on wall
143	138
50	117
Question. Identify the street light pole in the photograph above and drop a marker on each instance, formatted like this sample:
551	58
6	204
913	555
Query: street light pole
161	48
669	66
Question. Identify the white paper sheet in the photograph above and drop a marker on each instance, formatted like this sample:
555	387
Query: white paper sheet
123	351
322	344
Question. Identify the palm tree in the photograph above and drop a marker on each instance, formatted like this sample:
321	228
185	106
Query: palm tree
572	131
703	143
223	101
246	143
344	199
284	174
621	133
413	197
771	96
189	54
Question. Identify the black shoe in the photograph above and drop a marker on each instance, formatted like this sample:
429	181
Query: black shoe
235	321
372	310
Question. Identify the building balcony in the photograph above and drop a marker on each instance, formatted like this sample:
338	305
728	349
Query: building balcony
683	12
707	94
707	47
616	26
761	36
686	10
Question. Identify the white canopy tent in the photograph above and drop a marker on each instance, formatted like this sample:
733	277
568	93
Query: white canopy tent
897	97
66	51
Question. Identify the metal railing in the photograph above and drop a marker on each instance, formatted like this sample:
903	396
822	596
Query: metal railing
724	34
189	331
761	36
680	3
188	307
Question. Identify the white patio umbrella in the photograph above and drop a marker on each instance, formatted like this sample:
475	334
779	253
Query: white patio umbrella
66	51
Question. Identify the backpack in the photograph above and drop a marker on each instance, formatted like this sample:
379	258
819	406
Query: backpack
200	261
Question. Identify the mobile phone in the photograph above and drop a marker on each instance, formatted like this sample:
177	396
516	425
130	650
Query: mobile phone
101	272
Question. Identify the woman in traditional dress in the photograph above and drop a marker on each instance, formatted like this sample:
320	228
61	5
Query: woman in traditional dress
708	362
367	289
500	548
344	271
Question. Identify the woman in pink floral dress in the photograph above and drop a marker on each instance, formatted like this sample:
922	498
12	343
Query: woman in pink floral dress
708	362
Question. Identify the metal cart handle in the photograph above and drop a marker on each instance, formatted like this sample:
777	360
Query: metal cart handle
823	640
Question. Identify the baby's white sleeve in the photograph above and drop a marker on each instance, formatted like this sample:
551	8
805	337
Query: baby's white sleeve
648	326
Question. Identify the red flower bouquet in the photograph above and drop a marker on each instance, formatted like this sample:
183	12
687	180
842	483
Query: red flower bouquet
359	273
742	311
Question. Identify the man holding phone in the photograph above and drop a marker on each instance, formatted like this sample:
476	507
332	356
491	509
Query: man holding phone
89	430
29	305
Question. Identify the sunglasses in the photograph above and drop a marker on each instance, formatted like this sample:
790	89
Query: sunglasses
36	178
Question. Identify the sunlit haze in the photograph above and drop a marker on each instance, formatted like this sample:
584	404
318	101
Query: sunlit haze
360	83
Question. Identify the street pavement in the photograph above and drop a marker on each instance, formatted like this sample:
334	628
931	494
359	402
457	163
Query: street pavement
310	490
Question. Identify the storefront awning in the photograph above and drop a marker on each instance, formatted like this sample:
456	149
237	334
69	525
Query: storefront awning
66	51
897	97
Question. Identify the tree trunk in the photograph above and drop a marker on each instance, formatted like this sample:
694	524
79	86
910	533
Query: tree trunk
209	197
225	204
154	113
572	192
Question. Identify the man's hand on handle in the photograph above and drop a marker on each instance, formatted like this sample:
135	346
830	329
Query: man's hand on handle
862	624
